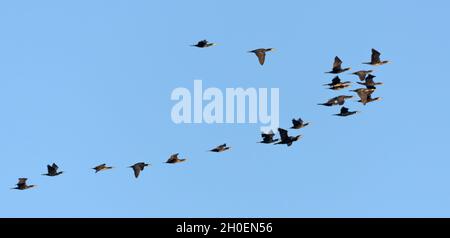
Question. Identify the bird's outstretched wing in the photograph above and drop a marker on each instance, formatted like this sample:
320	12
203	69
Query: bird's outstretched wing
336	80
99	166
364	94
261	56
22	181
375	56
340	100
361	75
337	64
267	137
49	168
174	157
344	110
296	123
283	134
137	171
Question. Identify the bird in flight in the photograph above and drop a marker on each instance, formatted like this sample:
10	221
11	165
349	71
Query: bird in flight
339	100
362	74
138	167
369	83
204	44
220	148
261	54
22	184
101	167
345	112
298	123
337	67
173	159
267	138
365	95
285	138
52	170
375	59
336	84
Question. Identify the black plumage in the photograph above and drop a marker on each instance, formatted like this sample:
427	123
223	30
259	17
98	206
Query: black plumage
337	67
261	54
337	84
173	159
365	95
285	138
369	82
101	167
362	74
22	184
204	44
339	100
375	59
345	112
267	138
52	170
298	123
138	167
221	148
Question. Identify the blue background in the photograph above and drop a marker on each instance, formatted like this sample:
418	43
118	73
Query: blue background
87	82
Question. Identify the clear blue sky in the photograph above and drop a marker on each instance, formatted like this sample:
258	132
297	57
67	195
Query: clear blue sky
87	82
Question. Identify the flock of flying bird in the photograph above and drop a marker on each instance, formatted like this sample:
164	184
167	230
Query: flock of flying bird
365	95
